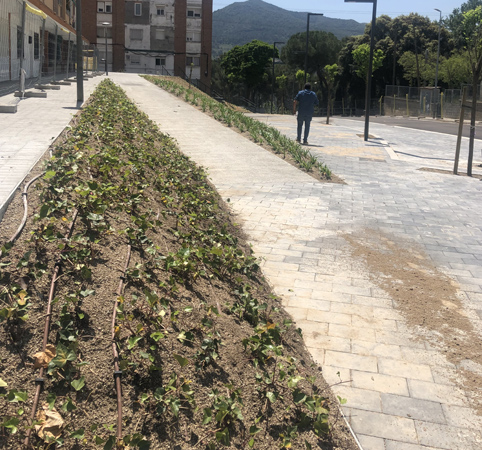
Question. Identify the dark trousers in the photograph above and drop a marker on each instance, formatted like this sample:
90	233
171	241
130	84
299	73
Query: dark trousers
302	119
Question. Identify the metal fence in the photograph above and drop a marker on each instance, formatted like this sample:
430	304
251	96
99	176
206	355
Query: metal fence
35	49
429	102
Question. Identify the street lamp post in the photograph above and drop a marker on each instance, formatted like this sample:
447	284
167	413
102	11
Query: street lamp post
307	39
438	58
272	83
370	63
80	55
105	24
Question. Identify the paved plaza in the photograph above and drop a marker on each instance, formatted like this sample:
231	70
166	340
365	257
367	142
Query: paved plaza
336	253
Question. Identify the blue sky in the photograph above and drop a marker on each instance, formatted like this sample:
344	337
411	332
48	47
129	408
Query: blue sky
362	12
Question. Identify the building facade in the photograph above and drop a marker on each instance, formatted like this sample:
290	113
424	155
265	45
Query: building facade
38	37
169	37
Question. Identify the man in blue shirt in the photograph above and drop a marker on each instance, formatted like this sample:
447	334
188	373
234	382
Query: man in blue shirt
306	100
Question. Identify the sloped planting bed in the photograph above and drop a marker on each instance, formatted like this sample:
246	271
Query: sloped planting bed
207	357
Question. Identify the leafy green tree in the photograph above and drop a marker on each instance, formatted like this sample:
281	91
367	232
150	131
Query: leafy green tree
394	37
470	28
323	49
361	57
282	82
330	73
300	78
422	71
248	64
454	21
455	70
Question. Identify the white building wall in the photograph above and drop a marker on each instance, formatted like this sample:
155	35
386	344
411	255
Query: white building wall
138	38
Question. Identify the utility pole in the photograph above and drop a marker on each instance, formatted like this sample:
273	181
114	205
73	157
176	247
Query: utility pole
80	53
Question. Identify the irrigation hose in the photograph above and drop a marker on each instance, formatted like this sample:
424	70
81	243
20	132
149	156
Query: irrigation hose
25	211
39	381
117	372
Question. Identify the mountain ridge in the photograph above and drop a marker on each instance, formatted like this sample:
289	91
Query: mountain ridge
241	22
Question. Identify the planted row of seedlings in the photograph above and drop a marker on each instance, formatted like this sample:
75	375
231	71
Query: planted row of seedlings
205	357
258	131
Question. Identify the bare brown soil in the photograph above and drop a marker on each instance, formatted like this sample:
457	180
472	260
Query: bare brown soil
429	301
449	172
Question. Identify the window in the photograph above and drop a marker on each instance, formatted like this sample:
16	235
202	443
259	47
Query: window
100	7
193	13
19	42
193	36
192	60
108	7
160	34
136	34
160	11
160	61
137	9
135	59
36	46
104	32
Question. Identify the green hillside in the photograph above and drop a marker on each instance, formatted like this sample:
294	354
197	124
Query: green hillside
242	22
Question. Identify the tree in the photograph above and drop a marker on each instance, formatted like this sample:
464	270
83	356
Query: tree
455	71
330	73
300	77
471	31
454	21
282	82
423	70
248	64
361	57
323	49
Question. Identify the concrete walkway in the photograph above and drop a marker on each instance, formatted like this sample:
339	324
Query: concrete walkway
27	134
403	393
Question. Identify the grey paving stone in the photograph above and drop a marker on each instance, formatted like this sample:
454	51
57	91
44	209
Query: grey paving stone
405	369
360	347
463	417
370	442
413	408
446	437
359	398
351	361
397	445
382	425
448	394
379	383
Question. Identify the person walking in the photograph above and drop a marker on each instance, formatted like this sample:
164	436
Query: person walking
306	99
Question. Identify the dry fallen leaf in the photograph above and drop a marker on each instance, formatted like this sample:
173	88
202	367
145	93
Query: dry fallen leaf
42	359
51	423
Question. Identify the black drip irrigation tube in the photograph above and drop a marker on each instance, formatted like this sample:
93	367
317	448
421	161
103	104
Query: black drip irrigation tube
39	381
25	212
117	371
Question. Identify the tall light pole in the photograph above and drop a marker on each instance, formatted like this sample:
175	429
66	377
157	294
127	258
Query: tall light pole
105	25
438	58
80	55
307	39
370	63
272	84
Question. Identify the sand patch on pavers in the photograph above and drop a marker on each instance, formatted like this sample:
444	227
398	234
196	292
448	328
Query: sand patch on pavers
429	301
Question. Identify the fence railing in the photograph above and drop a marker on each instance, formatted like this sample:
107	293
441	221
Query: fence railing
35	49
429	102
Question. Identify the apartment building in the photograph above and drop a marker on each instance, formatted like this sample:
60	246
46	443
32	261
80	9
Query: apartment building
170	37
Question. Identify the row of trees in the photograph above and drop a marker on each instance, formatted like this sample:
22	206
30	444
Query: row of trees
405	54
